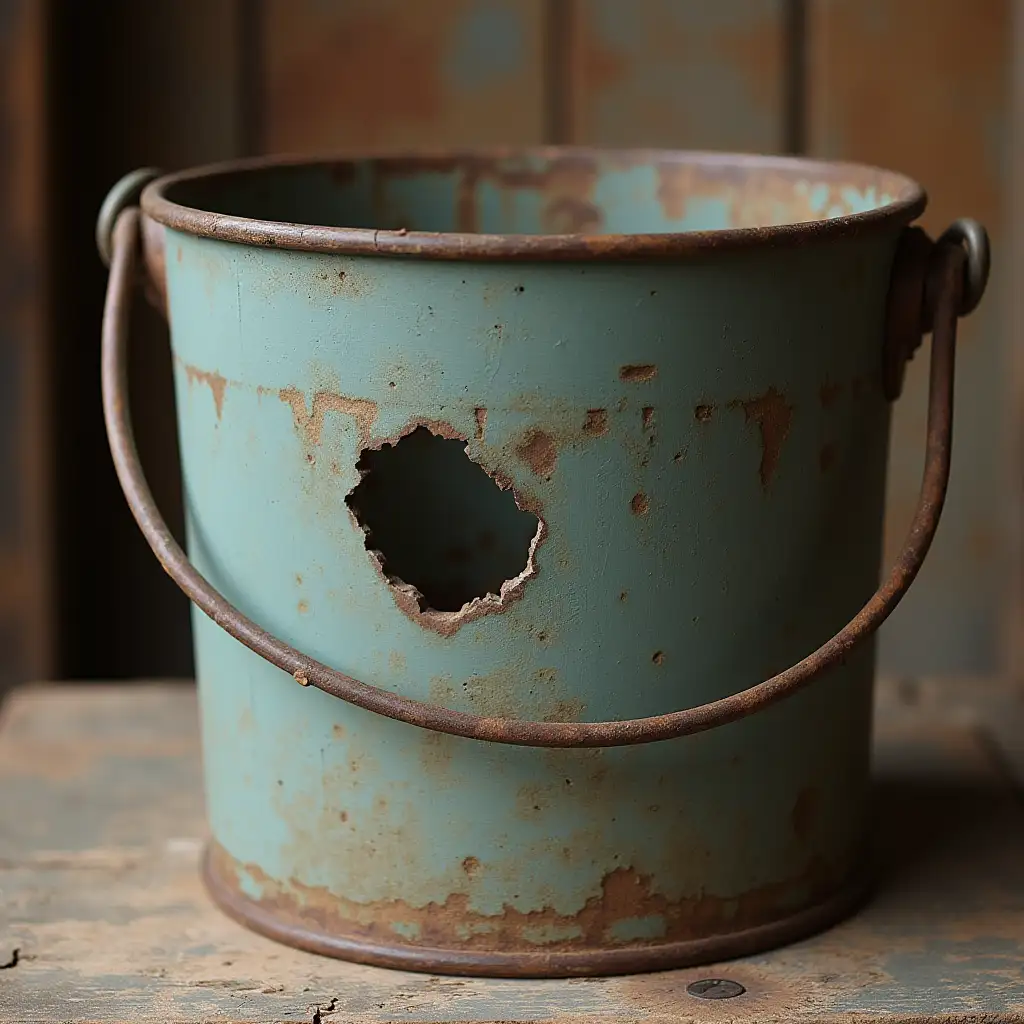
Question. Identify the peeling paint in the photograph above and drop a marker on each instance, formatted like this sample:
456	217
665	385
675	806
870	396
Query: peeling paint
638	373
362	410
773	416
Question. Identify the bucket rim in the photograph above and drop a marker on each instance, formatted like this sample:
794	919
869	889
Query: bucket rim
908	201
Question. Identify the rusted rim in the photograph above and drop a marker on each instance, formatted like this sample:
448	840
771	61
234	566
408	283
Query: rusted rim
909	202
540	964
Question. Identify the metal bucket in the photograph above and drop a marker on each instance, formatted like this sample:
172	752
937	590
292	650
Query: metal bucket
562	459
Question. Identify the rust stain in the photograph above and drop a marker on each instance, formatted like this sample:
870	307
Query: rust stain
214	381
703	413
480	415
622	895
647	417
773	416
537	449
362	410
638	373
338	731
596	422
829	392
624	595
640	504
804	815
658	658
566	711
470	865
827	456
303	607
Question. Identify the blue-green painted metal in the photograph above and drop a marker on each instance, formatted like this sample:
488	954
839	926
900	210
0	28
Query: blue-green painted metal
704	439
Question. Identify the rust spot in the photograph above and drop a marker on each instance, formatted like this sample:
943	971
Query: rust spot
622	895
658	658
640	504
470	865
214	381
638	373
537	450
343	816
829	392
773	416
596	422
338	730
396	661
298	578
362	410
702	413
480	415
566	711
827	456
647	417
624	595
303	607
805	813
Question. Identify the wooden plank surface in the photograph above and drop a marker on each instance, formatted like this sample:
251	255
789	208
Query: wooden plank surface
923	86
101	827
683	73
389	73
25	618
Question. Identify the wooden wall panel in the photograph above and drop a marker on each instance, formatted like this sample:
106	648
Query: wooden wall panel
923	86
25	620
393	74
685	73
161	88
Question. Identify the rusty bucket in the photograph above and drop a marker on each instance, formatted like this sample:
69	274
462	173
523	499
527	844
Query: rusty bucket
534	508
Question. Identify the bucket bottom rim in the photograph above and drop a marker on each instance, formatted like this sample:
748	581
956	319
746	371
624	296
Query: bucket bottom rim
558	964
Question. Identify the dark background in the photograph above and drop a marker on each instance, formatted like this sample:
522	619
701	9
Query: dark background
91	90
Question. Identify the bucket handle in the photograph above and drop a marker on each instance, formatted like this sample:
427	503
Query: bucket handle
951	281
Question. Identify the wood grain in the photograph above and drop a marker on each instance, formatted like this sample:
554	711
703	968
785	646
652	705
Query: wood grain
24	419
390	74
923	86
684	73
103	824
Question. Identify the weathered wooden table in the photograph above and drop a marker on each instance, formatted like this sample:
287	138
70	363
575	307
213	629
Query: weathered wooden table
102	917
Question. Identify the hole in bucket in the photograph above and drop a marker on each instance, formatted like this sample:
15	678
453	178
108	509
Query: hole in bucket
438	523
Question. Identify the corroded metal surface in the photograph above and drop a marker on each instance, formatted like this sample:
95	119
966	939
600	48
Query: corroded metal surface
745	201
681	445
99	889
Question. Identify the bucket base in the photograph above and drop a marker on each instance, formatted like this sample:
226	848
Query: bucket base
556	964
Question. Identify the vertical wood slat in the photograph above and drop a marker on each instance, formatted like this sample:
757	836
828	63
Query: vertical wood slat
25	621
922	86
156	85
684	73
1015	476
389	73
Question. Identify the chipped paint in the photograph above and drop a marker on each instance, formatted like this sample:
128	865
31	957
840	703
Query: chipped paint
623	895
638	373
311	423
640	504
596	422
537	449
773	416
216	382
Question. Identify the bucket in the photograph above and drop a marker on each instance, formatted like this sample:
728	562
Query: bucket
519	487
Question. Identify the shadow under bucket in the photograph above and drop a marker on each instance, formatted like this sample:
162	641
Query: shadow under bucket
519	487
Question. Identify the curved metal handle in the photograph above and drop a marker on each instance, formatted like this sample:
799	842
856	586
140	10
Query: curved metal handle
949	291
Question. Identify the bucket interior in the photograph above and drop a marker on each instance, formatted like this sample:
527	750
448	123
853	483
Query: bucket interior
546	192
